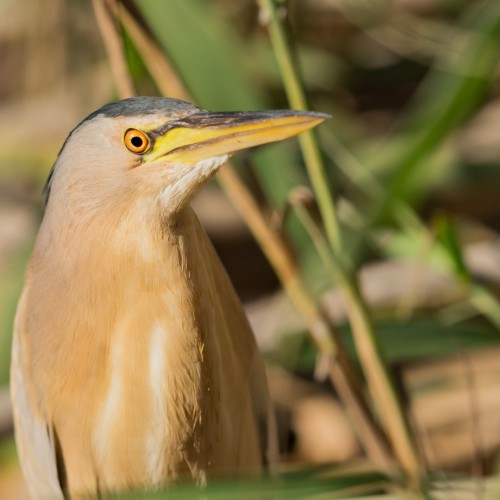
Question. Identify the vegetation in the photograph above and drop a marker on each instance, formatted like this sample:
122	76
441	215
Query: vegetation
402	181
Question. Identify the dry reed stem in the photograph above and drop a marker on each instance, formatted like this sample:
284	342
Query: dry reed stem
106	16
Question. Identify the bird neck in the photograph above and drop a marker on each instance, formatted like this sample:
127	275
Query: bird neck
122	258
138	314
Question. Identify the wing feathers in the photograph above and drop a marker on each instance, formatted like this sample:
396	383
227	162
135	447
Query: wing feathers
33	433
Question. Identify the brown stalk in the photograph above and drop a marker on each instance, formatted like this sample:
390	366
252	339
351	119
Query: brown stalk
106	13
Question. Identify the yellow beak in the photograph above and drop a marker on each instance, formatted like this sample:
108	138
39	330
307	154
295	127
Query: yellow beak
206	135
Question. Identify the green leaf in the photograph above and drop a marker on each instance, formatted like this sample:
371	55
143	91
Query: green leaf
401	341
10	292
303	484
447	235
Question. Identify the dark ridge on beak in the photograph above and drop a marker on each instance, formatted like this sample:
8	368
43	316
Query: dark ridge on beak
221	119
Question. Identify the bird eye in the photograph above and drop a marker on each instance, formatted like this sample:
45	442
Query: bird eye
136	141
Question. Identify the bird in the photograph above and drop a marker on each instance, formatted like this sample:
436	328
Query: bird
133	363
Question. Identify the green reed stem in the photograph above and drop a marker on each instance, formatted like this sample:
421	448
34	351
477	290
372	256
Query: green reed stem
379	379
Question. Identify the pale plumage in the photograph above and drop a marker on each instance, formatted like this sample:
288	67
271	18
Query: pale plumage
133	363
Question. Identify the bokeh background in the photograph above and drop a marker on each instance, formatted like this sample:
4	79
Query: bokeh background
412	155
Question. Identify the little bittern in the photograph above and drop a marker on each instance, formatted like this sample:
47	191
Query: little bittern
133	363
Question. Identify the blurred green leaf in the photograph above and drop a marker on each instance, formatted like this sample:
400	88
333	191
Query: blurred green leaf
304	484
448	96
8	451
418	339
428	338
10	292
447	235
443	101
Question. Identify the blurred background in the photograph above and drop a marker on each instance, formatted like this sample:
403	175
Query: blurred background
412	160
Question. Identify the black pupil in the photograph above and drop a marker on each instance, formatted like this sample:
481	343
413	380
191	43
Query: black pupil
136	141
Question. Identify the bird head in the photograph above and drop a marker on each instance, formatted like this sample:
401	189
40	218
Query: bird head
157	149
